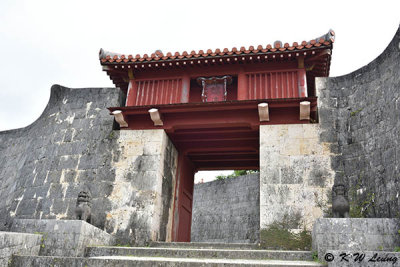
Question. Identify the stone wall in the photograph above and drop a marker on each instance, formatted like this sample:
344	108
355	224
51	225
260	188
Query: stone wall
295	175
63	237
45	165
18	243
227	210
360	114
356	141
73	147
355	234
141	199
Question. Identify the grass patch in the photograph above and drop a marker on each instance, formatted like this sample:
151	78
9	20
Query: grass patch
278	237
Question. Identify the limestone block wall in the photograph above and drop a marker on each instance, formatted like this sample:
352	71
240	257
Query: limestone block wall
63	237
18	243
68	149
227	210
360	114
141	200
295	175
73	147
355	234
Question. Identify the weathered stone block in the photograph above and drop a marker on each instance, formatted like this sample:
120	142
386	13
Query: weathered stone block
355	234
18	243
63	237
304	178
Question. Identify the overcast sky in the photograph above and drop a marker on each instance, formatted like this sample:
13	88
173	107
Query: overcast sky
57	42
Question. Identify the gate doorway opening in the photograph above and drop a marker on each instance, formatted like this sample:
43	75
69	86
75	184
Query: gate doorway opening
234	147
209	136
226	207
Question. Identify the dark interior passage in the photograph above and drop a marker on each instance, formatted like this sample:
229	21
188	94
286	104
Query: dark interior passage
227	147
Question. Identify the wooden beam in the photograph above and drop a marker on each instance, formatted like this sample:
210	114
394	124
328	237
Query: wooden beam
234	157
224	153
210	131
218	106
228	165
189	137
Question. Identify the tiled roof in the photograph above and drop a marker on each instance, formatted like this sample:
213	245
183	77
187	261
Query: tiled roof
324	41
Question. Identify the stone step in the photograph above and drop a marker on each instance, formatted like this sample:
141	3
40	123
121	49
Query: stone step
204	245
125	261
94	251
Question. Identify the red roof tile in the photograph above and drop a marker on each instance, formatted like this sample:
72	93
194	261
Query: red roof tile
325	40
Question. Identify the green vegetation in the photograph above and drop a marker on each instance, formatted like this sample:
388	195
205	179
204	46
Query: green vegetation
235	174
278	236
315	256
353	113
111	135
43	239
397	249
360	208
361	205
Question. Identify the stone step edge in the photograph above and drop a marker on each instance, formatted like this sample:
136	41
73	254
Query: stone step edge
162	244
204	249
194	261
210	260
198	253
202	244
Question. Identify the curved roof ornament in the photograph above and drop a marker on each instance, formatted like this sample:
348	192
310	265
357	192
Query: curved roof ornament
103	54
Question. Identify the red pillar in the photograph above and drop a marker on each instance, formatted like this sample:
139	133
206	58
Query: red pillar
242	86
302	77
131	94
182	220
302	83
185	88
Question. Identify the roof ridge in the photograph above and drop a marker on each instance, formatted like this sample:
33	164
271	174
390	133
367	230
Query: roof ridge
324	40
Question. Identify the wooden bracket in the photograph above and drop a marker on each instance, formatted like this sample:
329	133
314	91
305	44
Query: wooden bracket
263	111
304	110
119	117
156	117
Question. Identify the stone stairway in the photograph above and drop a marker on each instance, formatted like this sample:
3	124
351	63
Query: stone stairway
174	254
